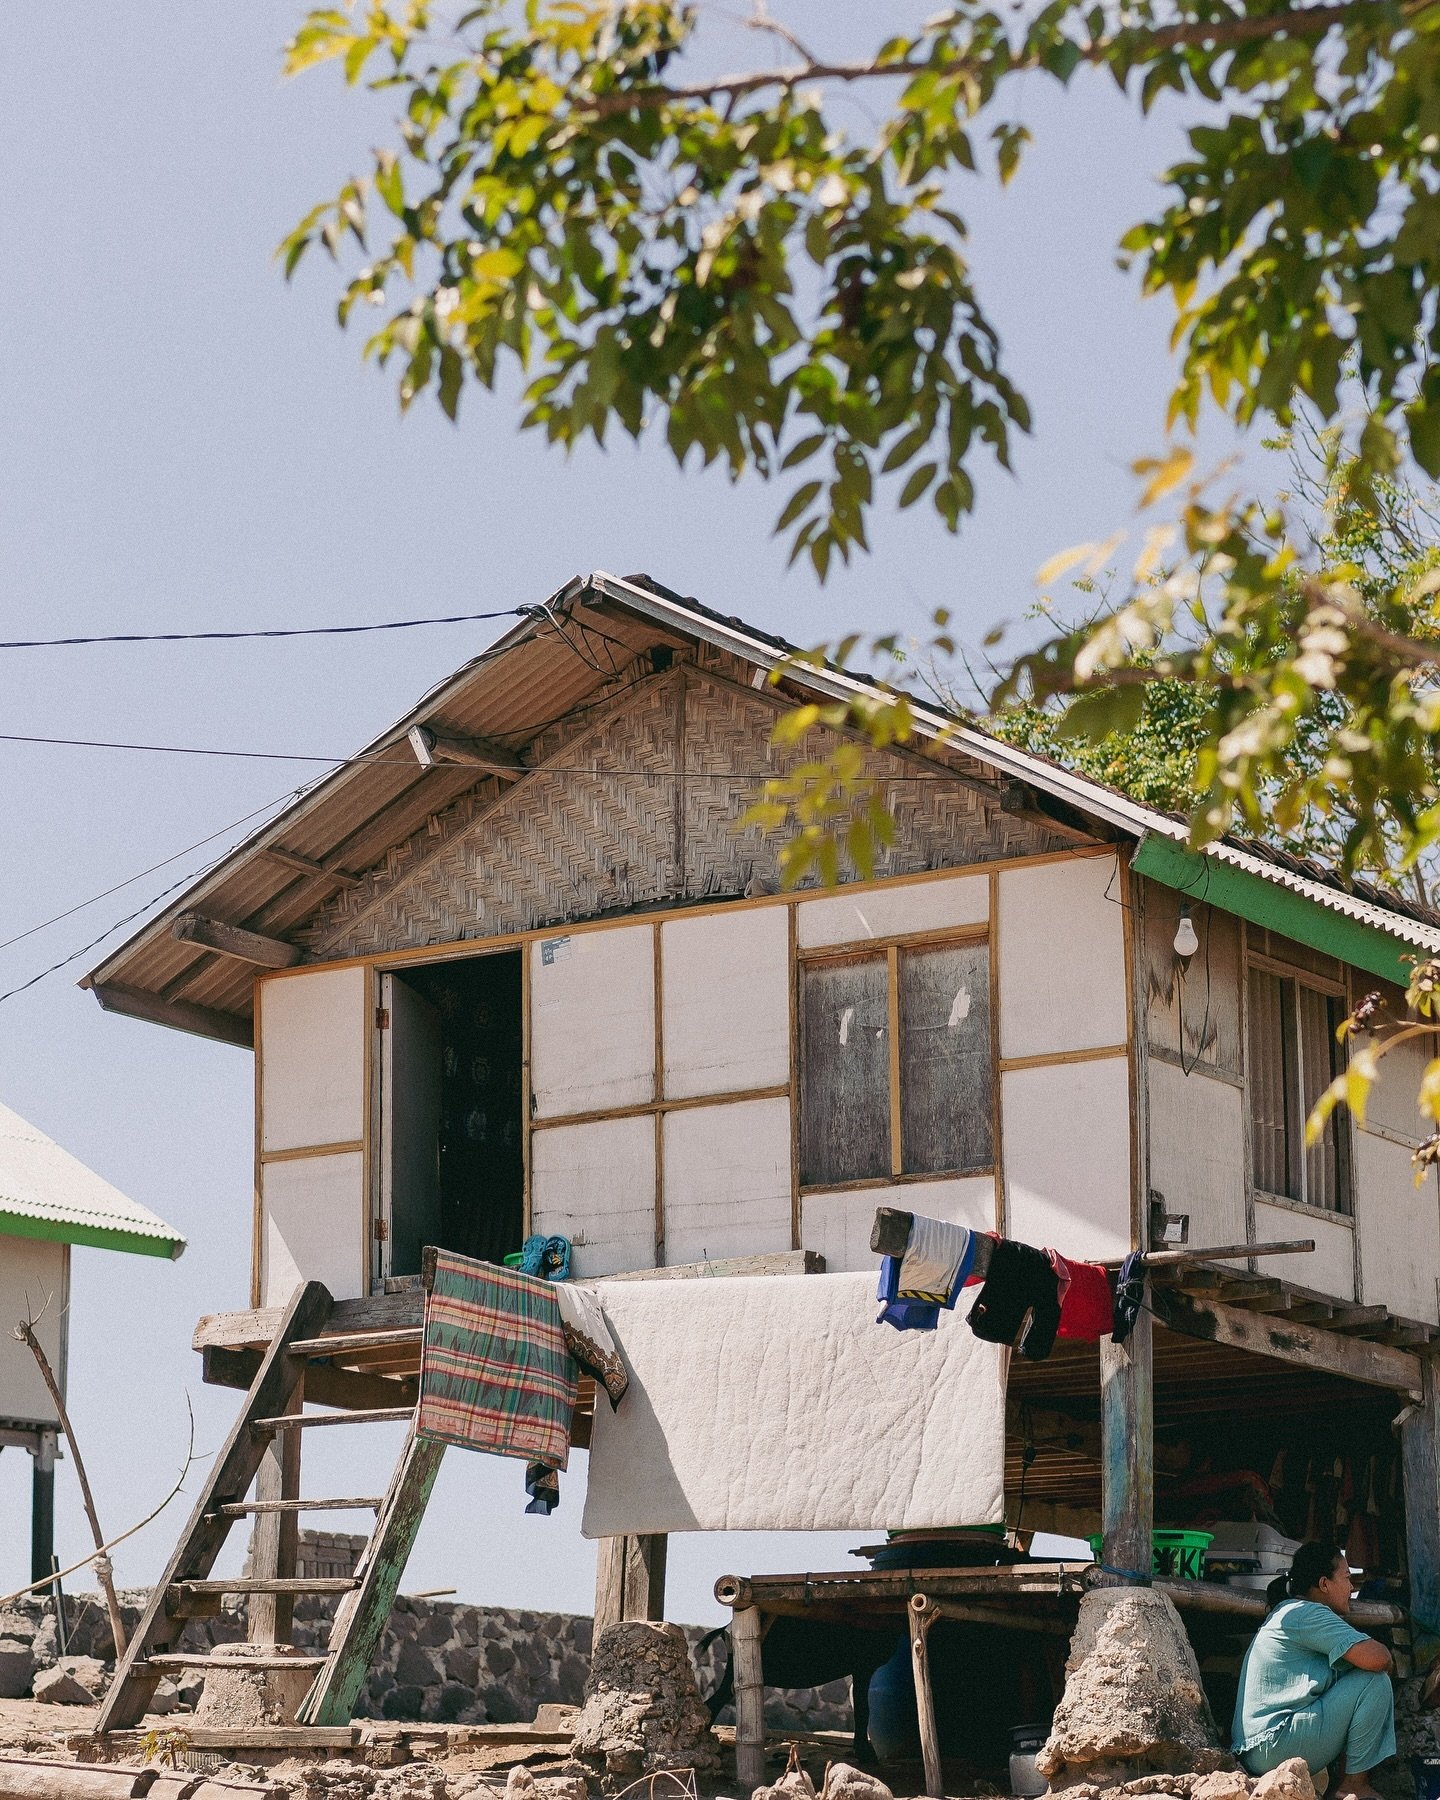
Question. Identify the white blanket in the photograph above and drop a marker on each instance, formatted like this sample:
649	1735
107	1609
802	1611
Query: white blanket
776	1403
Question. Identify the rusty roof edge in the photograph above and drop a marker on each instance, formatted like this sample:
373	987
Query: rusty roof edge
326	785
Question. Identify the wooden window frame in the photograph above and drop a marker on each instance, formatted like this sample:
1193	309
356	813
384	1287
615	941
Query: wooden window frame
1332	989
890	948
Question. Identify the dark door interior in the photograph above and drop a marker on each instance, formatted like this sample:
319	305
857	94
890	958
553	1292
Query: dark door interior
470	1061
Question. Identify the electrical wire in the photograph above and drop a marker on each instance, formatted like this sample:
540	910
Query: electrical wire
282	631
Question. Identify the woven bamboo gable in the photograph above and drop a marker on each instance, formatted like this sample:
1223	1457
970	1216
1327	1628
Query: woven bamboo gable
636	802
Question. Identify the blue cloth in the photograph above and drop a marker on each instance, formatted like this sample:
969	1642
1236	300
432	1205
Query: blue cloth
1298	1696
548	1257
1129	1295
908	1313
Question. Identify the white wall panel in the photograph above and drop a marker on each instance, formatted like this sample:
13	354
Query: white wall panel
1062	957
595	1184
846	918
312	1058
32	1271
1197	1151
726	1001
1067	1156
726	1180
592	1020
313	1226
838	1225
1399	1226
1329	1268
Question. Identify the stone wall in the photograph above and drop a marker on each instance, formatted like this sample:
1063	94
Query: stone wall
439	1659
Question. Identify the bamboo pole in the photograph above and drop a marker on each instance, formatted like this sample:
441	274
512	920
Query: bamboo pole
25	1331
922	1617
746	1636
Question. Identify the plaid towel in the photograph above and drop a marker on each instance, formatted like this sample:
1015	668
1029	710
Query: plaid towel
495	1372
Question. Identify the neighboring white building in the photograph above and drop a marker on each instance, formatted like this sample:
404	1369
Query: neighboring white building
49	1201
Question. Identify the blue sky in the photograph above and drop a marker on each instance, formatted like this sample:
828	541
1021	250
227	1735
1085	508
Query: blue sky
187	444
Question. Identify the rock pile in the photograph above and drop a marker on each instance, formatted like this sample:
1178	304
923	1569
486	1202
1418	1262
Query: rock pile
1291	1781
642	1710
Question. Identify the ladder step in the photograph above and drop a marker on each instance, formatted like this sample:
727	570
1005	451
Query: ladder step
268	1584
240	1509
304	1421
167	1664
340	1344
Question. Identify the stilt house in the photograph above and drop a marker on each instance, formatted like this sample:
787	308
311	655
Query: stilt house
518	968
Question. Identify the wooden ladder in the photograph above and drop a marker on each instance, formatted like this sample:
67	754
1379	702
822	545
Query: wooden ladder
263	1449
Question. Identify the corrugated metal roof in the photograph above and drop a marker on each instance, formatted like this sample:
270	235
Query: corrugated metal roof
47	1192
557	659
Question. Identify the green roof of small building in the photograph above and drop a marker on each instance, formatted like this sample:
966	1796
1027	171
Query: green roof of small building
45	1192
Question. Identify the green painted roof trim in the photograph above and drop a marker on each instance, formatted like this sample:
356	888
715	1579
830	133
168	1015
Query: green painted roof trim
99	1237
1216	883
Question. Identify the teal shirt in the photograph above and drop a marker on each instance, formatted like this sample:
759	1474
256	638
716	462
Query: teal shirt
1291	1661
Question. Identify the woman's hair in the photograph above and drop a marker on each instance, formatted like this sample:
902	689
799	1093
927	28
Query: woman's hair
1311	1564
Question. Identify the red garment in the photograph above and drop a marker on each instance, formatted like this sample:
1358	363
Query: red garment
1087	1306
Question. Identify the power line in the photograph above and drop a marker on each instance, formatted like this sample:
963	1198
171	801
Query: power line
282	631
144	907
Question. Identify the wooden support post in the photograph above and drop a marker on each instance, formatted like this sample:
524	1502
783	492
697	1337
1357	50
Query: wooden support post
922	1617
42	1507
629	1580
276	1538
235	940
362	1615
1420	1454
1127	1449
747	1632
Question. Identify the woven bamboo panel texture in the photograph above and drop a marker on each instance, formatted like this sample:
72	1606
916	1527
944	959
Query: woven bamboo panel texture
637	804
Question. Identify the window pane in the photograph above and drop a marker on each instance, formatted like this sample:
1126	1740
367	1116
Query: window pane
844	1071
1319	1058
946	1075
1266	1035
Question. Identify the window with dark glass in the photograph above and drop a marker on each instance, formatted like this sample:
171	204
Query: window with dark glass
896	1065
1293	1055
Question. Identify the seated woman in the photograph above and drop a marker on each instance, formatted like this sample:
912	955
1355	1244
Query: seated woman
1312	1685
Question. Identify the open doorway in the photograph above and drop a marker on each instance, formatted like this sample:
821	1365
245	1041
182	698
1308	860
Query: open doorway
451	1106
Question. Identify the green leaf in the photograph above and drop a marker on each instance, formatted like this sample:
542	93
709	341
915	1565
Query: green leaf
920	479
798	501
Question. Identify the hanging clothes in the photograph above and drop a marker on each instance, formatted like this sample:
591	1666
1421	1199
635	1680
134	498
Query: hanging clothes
495	1371
582	1319
547	1256
1019	1301
1087	1306
937	1263
1129	1295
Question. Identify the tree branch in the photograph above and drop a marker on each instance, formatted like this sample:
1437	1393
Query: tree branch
1305	21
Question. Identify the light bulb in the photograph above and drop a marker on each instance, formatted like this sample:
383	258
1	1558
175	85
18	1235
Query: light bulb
1186	940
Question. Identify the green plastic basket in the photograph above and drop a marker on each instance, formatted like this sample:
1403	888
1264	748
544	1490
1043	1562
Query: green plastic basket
1177	1554
514	1259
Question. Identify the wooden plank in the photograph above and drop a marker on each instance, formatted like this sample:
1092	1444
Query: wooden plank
379	1415
360	1621
235	940
342	1343
747	1634
306	865
276	1538
1127	1450
179	1015
374	1312
432	747
1377	1365
231	1473
243	1509
843	1585
629	1579
266	1584
1248	1603
169	1664
350	1390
